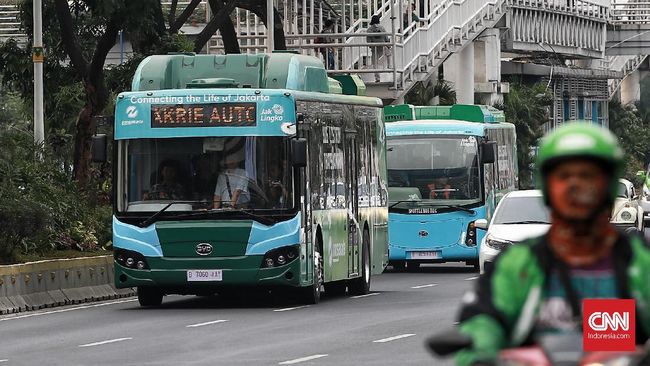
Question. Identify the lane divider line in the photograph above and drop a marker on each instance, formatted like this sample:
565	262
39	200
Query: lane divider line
4	361
105	342
424	286
293	308
303	359
68	309
471	278
390	339
206	323
366	295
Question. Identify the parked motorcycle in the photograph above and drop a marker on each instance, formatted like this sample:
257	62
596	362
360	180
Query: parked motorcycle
549	350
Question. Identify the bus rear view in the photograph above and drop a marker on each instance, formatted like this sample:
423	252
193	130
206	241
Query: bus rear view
447	168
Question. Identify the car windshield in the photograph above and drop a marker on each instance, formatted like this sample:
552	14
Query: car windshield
433	170
522	210
207	172
622	190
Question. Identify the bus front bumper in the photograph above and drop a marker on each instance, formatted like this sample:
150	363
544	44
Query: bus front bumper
434	255
172	274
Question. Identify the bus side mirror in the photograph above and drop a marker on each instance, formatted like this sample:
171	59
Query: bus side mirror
488	152
99	148
299	153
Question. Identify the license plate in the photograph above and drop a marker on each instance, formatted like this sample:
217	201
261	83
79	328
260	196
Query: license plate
195	275
425	255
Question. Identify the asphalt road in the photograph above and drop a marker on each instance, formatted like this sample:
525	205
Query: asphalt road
387	327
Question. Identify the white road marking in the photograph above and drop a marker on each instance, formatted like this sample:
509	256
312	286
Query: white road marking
366	295
293	308
206	323
66	310
105	342
471	278
303	359
4	361
393	338
424	286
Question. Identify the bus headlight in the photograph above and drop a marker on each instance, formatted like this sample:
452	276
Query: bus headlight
280	256
130	259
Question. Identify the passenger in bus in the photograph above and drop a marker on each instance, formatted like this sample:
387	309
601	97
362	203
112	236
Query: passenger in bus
168	185
278	193
204	179
232	184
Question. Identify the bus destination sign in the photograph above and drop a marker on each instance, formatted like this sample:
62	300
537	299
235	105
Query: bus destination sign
204	115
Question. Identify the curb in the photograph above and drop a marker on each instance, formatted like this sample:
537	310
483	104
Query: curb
50	283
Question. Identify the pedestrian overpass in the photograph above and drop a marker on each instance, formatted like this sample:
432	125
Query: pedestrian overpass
469	38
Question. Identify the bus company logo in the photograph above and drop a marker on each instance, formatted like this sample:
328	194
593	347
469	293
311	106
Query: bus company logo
273	114
609	325
277	109
131	111
204	249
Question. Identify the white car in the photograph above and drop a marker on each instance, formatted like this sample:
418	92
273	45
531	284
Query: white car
627	214
519	215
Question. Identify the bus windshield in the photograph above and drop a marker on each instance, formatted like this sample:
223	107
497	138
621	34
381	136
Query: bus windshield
205	173
433	170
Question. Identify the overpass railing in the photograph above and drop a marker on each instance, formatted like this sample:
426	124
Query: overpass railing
629	12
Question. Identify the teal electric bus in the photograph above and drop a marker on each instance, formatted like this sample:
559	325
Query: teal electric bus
233	171
448	166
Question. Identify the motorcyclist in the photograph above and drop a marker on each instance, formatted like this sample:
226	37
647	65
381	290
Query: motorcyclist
538	286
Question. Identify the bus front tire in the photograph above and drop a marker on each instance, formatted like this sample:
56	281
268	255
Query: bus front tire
361	285
311	294
149	296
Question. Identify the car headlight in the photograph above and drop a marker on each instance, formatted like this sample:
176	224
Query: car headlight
497	244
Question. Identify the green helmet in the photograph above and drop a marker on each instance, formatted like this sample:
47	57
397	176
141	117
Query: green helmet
580	139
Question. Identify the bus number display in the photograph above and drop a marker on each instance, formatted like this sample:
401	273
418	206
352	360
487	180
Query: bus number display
204	115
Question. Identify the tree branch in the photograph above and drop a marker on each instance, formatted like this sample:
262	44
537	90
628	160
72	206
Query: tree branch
178	23
172	13
221	16
69	39
105	43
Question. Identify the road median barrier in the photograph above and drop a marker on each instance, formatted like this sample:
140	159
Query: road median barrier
49	283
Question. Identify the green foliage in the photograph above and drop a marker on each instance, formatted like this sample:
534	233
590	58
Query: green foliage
423	93
527	108
631	124
42	208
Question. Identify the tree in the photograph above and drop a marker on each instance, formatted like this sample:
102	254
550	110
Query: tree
527	108
424	92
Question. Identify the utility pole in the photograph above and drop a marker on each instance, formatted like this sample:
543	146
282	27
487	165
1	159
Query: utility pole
270	27
37	59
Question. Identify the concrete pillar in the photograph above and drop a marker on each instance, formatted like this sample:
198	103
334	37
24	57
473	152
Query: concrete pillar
487	66
631	88
459	70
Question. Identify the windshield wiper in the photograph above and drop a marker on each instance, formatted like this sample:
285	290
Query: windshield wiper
526	222
153	217
401	201
262	219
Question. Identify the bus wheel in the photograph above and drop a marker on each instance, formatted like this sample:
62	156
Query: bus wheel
311	294
149	296
361	285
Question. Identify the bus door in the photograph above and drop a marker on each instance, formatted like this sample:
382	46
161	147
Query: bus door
352	199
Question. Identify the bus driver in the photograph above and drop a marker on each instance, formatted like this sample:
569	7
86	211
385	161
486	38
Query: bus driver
232	184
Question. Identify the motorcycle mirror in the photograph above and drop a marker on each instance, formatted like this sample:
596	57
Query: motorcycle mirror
446	343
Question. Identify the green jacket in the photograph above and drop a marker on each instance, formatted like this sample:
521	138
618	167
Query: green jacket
502	310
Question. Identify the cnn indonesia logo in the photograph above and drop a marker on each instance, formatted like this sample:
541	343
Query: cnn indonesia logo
610	325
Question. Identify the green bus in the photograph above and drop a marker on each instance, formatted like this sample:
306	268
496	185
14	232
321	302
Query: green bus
235	171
